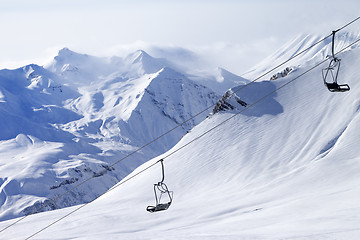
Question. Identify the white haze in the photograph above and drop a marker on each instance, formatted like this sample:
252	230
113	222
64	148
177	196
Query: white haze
231	34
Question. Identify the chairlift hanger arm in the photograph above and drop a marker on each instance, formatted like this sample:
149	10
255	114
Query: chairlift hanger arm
162	170
333	45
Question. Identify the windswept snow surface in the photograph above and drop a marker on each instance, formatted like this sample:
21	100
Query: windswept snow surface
72	119
291	173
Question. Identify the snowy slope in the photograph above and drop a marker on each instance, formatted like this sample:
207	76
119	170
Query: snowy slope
77	116
291	172
29	93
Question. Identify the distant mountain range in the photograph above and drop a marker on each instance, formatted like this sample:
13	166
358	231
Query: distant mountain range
74	117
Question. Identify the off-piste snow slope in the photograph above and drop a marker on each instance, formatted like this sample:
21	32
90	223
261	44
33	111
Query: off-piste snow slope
287	168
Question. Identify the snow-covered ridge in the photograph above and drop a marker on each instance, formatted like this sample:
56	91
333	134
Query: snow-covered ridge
299	44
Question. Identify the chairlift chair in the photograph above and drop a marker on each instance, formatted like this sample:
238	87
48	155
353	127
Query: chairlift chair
160	190
333	71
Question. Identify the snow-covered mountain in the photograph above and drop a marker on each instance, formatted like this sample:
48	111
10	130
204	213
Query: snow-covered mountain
287	168
79	114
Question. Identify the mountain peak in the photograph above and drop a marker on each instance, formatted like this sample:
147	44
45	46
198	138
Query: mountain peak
138	56
66	54
225	75
144	63
78	66
65	50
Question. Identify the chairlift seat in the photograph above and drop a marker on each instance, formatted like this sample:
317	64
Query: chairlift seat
334	87
158	207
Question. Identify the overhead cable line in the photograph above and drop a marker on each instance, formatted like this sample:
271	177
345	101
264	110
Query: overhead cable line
162	135
349	23
195	139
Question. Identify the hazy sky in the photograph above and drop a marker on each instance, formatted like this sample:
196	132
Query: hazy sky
227	33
